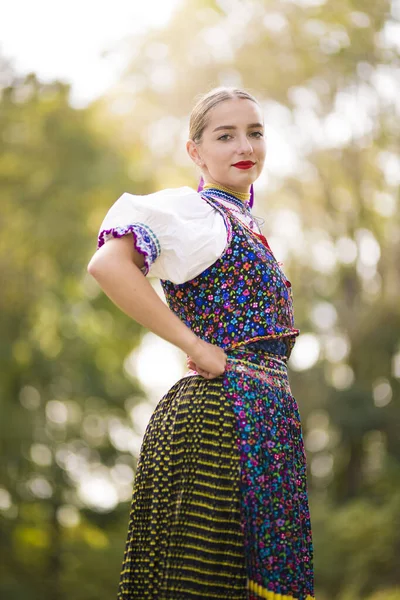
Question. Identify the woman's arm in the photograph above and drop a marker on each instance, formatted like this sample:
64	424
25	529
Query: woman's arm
116	268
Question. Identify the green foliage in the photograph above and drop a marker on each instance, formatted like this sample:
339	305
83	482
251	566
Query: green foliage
62	346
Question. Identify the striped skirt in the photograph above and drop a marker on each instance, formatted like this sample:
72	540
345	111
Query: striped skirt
219	506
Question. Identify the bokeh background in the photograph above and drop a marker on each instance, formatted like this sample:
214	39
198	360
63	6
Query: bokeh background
94	101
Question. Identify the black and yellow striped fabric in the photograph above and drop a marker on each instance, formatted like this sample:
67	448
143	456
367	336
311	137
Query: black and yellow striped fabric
184	536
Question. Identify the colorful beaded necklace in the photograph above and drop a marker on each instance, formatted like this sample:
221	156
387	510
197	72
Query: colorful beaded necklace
239	199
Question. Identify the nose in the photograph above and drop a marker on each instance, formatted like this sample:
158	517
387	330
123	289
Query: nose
244	145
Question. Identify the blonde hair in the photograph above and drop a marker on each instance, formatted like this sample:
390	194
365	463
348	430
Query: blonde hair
198	117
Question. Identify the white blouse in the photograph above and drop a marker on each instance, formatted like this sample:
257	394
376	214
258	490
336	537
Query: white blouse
179	233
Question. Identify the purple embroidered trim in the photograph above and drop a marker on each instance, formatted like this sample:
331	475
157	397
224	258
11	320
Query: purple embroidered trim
144	239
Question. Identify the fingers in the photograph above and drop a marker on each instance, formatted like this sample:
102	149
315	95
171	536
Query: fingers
217	370
203	373
207	374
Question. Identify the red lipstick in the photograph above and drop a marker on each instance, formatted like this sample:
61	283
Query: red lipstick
244	164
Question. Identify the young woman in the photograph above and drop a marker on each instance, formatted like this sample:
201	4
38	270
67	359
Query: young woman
219	507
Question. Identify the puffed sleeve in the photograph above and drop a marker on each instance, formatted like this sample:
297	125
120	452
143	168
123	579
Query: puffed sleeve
178	233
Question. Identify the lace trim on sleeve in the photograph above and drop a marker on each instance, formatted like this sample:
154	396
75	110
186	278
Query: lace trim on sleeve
144	239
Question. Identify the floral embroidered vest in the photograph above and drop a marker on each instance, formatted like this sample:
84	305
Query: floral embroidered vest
242	297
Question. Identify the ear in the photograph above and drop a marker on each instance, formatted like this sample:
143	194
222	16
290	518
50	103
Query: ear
193	152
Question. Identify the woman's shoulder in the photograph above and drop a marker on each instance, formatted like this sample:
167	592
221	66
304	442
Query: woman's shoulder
161	208
179	200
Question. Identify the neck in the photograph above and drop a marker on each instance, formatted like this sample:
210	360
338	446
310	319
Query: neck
243	196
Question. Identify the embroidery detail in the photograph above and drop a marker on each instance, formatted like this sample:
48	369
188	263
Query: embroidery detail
235	204
144	239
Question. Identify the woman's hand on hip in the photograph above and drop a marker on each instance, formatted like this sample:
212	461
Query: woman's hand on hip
207	359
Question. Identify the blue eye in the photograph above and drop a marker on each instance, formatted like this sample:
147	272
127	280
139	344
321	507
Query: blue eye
224	137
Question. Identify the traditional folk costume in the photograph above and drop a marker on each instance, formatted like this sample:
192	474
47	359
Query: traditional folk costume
219	507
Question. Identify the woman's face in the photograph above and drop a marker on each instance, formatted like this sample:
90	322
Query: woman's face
232	149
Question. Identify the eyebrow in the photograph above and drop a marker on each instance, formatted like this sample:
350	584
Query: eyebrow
234	127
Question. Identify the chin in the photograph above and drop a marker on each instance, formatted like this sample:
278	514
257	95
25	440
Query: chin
240	181
245	180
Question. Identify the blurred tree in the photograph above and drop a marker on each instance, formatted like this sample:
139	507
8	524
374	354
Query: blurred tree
66	436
